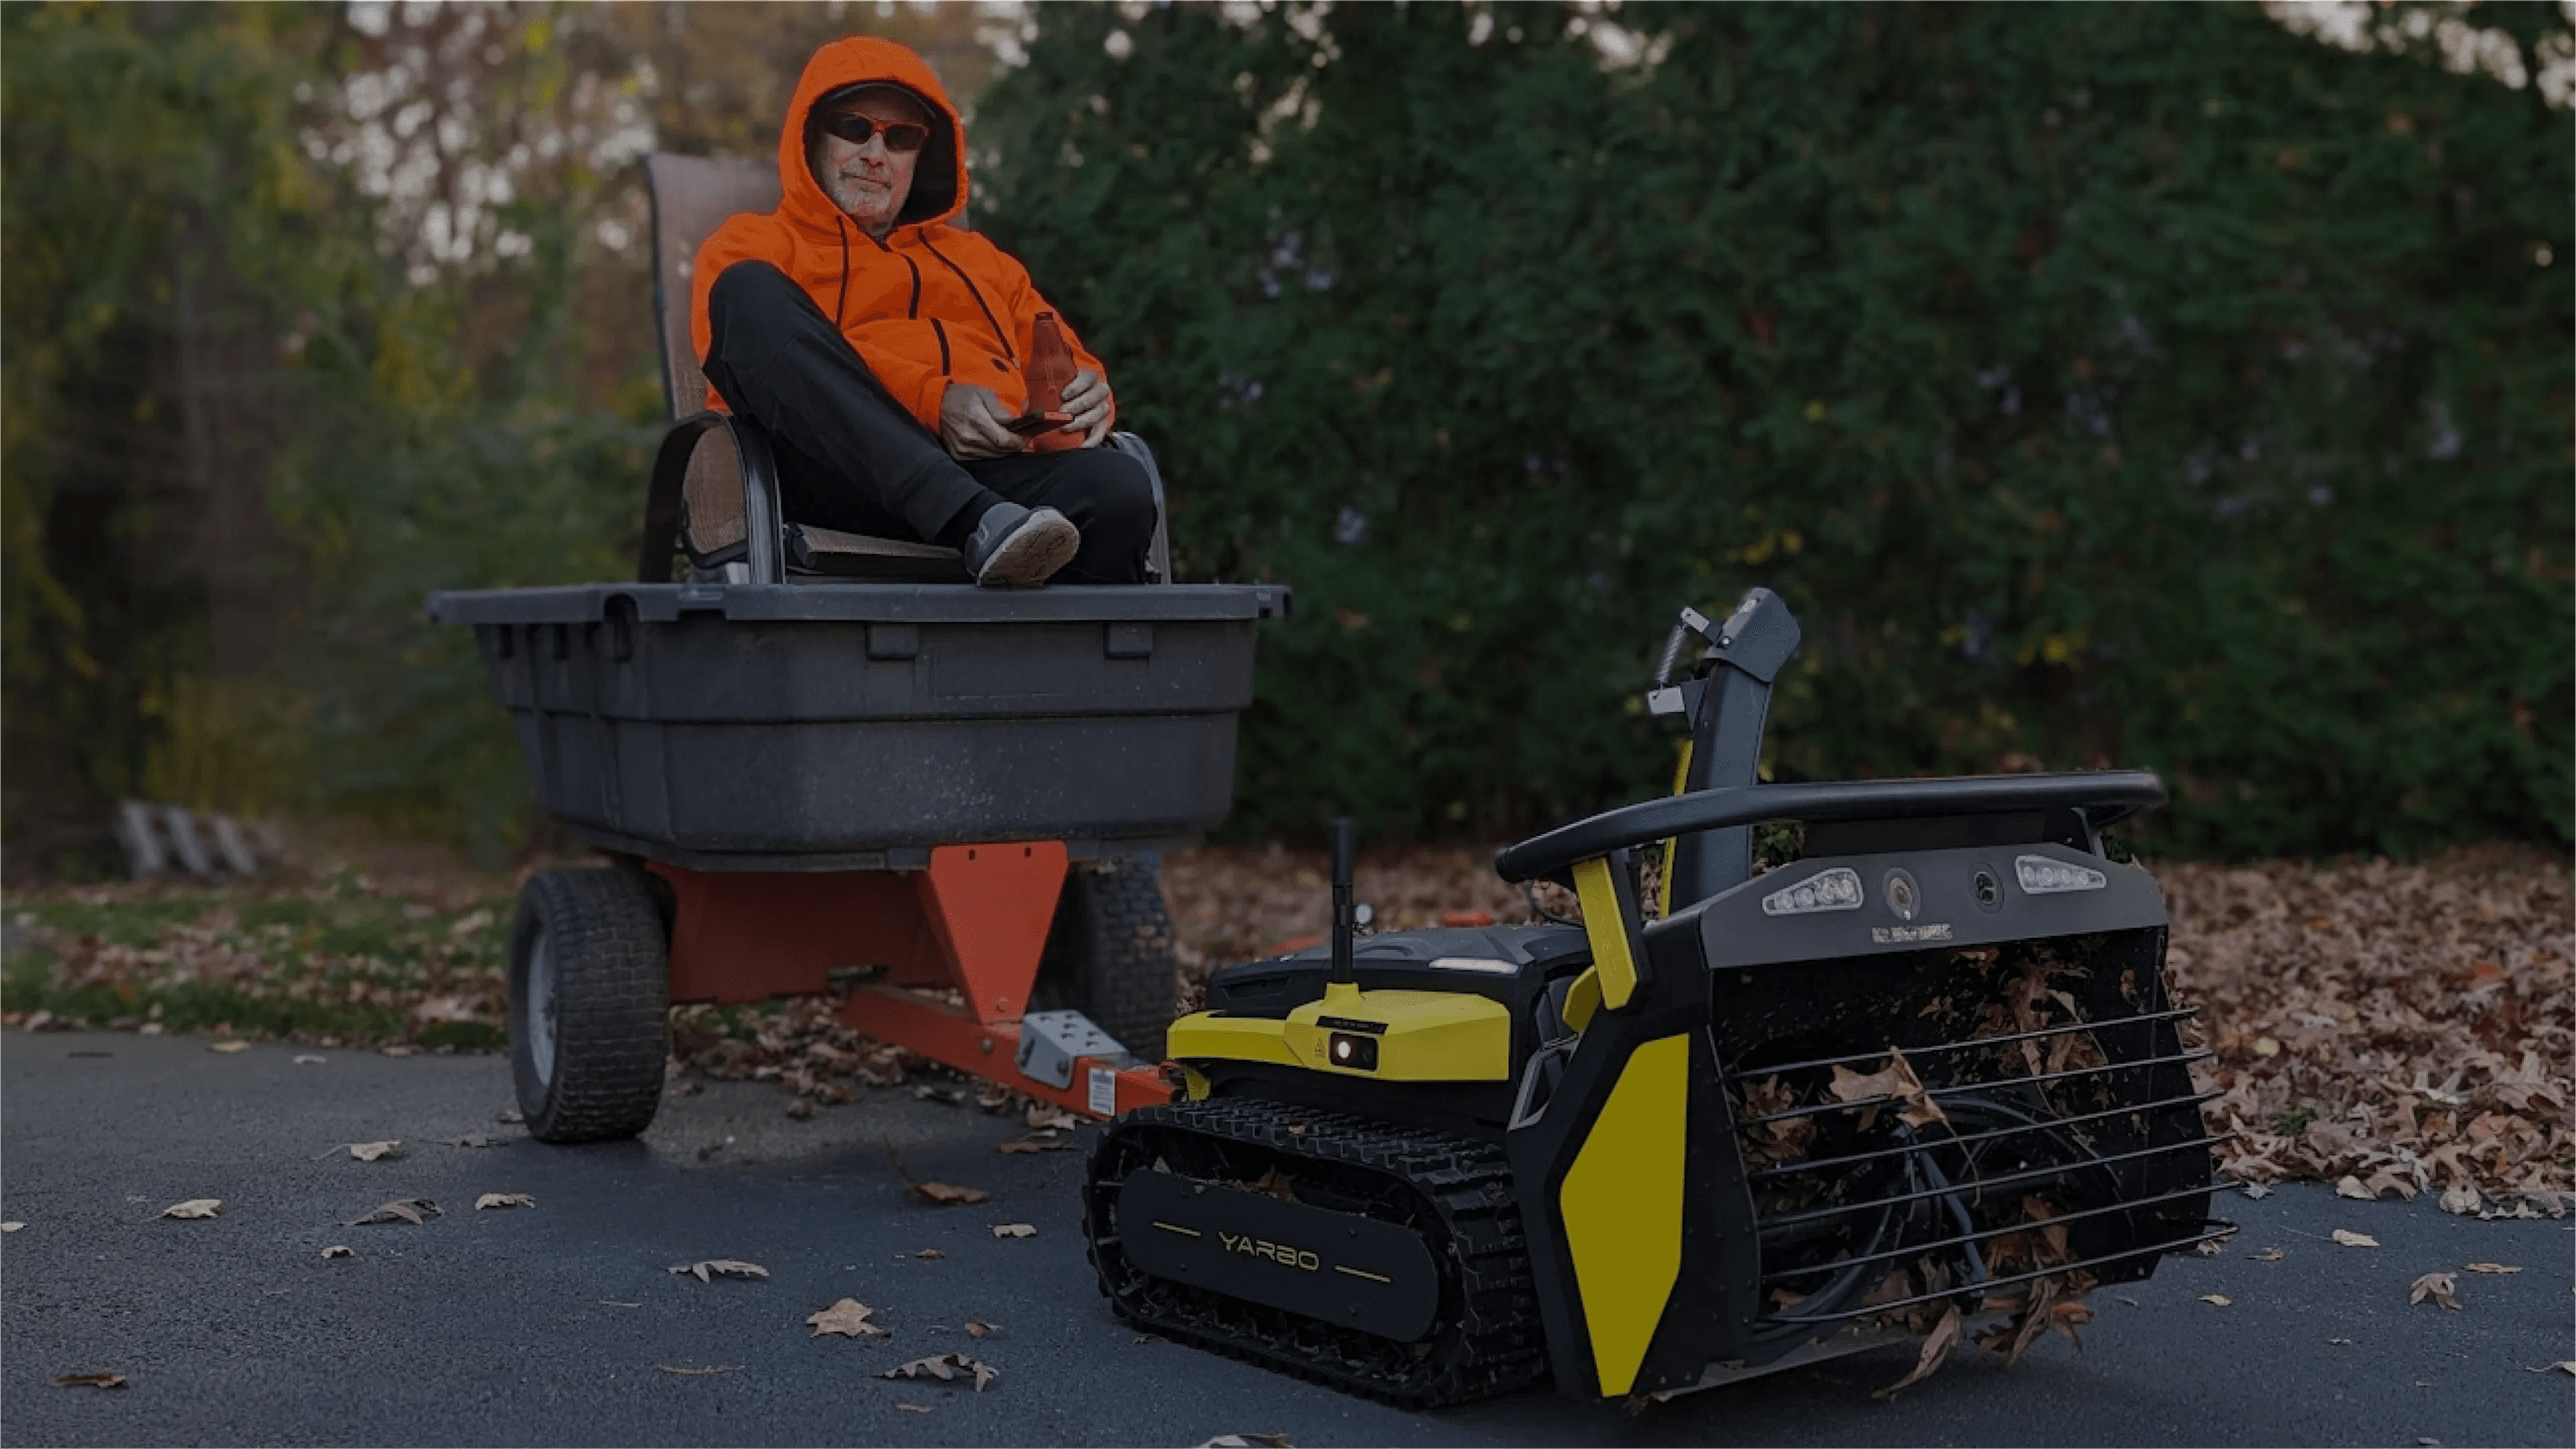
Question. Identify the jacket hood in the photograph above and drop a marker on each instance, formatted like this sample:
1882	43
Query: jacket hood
938	179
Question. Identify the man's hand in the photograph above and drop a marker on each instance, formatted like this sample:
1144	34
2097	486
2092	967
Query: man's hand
1087	397
972	423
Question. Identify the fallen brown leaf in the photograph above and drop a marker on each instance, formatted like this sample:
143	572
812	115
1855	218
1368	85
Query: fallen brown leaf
2565	1366
1896	1080
336	1251
2442	1288
230	1046
914	1408
89	1381
848	1318
2492	1268
978	1328
412	1210
1033	1144
1249	1441
707	1270
1936	1351
373	1151
801	1110
504	1200
2268	1255
1041	1115
477	1139
11	1227
930	1253
2461	1200
945	1367
1014	1230
2217	1300
949	1195
2351	1239
696	1370
195	1207
307	1059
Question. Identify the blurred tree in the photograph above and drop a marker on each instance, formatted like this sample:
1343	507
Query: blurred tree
2146	385
162	229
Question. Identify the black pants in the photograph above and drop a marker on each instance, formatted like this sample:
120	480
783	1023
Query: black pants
850	457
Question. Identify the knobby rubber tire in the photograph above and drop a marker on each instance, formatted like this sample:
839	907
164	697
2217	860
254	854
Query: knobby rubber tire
1110	955
610	956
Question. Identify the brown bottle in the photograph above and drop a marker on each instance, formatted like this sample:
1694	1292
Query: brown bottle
1050	366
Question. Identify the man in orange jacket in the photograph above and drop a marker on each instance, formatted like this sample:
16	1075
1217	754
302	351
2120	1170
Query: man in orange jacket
884	347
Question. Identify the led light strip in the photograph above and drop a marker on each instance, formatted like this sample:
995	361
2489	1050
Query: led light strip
2042	876
1827	890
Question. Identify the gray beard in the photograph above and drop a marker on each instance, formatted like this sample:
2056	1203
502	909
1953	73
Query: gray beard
845	193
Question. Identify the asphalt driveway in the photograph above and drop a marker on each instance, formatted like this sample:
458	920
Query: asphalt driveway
561	1323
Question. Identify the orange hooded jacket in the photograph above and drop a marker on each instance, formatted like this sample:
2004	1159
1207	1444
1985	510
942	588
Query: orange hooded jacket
930	304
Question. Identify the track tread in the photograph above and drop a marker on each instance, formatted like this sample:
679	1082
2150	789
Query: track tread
1490	1340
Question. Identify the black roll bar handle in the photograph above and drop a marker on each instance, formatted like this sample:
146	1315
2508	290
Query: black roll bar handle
2104	797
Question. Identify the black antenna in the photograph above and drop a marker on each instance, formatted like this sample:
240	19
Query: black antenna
1346	847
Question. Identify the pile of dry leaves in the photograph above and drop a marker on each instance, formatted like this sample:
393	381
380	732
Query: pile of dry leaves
2391	1029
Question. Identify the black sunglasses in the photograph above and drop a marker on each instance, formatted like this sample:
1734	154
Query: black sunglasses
855	128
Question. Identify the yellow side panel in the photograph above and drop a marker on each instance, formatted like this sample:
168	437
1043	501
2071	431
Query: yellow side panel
1664	887
1205	1034
1423	1036
1430	1036
1622	1201
1608	931
1583	998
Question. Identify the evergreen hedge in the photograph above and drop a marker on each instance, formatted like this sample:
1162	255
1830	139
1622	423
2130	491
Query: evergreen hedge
2103	385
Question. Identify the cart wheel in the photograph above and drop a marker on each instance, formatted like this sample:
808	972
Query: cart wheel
1109	953
590	995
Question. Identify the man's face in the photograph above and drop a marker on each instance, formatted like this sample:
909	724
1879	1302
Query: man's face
866	180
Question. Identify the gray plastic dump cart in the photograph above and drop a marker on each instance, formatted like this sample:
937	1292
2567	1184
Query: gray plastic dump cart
939	803
855	726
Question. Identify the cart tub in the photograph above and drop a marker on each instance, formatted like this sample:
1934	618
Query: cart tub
856	726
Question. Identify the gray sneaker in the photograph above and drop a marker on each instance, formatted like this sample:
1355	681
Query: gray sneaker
1020	548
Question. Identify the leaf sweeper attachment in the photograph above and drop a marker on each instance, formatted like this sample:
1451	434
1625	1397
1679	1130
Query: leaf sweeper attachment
1929	1067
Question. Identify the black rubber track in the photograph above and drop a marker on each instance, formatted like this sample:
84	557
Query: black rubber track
1455	1192
1109	954
611	961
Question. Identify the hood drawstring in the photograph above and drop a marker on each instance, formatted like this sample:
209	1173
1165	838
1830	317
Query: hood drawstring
841	302
977	293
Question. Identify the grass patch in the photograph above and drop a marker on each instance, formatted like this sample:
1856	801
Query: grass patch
338	963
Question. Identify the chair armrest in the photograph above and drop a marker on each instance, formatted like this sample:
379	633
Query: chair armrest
764	550
1158	554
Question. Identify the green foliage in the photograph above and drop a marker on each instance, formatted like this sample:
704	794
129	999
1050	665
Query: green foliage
153	189
2137	385
205	301
352	966
2141	385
